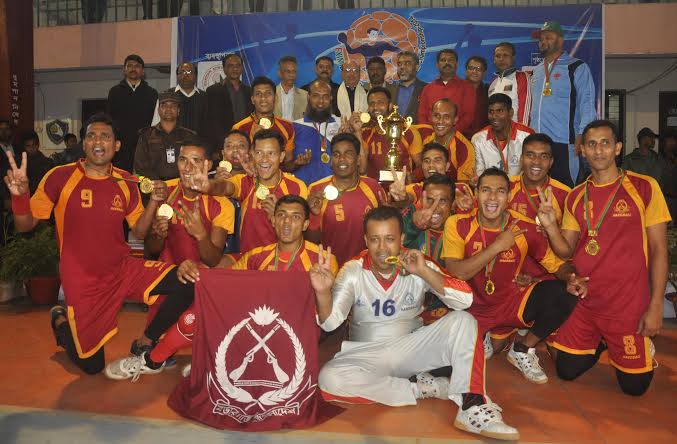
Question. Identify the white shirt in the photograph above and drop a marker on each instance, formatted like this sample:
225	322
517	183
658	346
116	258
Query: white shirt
488	155
380	314
288	103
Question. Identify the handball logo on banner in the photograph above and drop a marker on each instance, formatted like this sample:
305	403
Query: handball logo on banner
209	73
381	34
236	397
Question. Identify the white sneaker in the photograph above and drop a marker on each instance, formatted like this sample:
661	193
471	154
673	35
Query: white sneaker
488	347
185	372
432	387
528	364
485	420
523	331
132	367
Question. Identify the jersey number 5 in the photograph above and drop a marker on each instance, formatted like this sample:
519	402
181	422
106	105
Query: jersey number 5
87	198
388	307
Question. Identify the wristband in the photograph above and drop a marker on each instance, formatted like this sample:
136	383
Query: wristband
21	205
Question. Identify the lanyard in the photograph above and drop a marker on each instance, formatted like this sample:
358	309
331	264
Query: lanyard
530	198
548	71
506	148
291	259
593	232
431	251
323	138
489	268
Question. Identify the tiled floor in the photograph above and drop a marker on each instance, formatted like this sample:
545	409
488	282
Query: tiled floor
43	398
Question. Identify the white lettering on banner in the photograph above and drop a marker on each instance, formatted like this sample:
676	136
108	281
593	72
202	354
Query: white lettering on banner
228	387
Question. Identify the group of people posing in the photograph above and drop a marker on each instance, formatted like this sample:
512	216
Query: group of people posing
471	250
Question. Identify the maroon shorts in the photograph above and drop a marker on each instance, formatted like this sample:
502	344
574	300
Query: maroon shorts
582	331
92	312
502	319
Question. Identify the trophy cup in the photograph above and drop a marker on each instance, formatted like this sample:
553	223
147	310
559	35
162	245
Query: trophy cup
395	127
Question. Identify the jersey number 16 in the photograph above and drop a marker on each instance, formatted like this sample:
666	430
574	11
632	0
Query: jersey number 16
388	307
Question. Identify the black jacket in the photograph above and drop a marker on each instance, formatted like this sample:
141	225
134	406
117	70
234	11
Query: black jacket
412	108
131	110
219	114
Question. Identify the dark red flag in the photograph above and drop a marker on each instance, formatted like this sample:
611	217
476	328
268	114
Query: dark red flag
255	360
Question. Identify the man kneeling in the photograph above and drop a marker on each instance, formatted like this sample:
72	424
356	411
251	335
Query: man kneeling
385	288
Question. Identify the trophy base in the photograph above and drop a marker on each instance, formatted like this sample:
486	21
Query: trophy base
387	175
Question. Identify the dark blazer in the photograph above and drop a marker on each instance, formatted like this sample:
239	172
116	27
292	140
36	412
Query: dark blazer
219	115
412	109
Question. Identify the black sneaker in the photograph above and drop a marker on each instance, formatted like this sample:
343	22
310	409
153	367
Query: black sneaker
54	313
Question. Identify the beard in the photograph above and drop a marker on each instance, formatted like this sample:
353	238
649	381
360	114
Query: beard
318	115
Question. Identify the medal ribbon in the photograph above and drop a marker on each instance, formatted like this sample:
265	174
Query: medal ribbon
606	207
385	282
291	259
489	268
548	71
175	193
530	198
258	184
506	148
431	251
323	138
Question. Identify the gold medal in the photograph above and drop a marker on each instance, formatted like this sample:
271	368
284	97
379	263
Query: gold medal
262	192
489	287
392	260
265	123
592	247
365	117
331	192
325	158
146	185
547	92
226	165
165	211
538	221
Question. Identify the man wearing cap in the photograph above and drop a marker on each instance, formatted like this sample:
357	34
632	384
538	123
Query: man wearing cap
563	101
130	104
194	101
644	160
158	146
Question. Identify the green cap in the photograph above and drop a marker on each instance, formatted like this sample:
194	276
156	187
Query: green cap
550	25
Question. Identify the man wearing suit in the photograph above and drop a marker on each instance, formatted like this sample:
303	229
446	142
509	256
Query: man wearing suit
227	102
290	101
407	91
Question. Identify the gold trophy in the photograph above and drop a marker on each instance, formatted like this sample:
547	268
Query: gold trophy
395	127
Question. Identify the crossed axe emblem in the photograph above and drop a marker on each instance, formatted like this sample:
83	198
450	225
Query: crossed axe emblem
281	376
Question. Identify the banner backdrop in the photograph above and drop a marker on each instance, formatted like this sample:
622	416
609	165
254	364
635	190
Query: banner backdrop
364	33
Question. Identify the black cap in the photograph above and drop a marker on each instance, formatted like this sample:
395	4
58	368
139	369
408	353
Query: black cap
169	96
646	132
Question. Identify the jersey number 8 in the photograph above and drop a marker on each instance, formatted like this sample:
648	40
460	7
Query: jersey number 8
388	308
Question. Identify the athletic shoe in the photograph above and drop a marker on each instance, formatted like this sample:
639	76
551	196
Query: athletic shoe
185	372
432	387
485	420
528	364
54	313
136	350
132	367
488	346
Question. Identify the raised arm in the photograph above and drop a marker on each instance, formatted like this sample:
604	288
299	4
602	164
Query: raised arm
17	183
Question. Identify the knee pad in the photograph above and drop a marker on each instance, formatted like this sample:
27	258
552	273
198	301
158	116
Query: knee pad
634	384
186	324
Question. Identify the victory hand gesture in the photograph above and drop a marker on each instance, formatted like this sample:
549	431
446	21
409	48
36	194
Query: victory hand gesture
192	220
546	212
464	200
398	189
413	261
16	178
506	240
199	178
321	277
423	216
315	201
577	285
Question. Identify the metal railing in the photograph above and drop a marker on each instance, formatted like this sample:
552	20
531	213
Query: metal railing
73	12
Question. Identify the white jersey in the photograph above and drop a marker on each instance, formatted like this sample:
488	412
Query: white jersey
514	84
379	314
488	155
